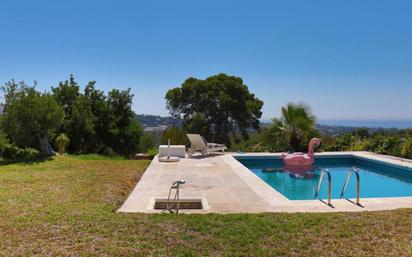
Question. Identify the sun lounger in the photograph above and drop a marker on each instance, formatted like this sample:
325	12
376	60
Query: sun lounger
199	144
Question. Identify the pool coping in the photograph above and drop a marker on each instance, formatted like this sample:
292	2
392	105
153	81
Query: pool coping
281	203
226	186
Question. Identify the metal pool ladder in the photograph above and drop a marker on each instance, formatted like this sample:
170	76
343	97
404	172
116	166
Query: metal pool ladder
350	172
322	174
173	205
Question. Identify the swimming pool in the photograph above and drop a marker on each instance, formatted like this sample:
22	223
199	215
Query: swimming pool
377	179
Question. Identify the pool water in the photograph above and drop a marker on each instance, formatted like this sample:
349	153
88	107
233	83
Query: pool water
377	179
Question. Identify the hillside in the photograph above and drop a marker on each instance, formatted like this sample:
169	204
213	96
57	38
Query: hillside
159	123
155	122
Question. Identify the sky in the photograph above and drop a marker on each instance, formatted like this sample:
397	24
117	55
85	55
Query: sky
348	60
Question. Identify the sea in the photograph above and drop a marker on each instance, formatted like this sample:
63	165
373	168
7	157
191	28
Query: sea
399	124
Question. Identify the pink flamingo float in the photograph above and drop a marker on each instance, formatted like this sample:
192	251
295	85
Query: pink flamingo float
302	159
305	172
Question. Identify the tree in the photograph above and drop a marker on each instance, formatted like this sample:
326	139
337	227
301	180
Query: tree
80	126
30	117
215	107
79	119
296	125
66	94
95	122
125	131
62	141
103	117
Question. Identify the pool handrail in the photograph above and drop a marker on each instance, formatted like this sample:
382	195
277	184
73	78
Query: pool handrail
345	185
322	174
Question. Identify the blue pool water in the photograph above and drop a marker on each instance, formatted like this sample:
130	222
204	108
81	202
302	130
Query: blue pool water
377	179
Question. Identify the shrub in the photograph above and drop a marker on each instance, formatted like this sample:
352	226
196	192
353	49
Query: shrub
252	144
152	152
4	142
406	147
384	144
358	144
108	152
13	152
347	142
273	141
176	135
342	143
147	141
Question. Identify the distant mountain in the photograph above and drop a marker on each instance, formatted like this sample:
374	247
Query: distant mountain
329	130
159	123
156	123
333	130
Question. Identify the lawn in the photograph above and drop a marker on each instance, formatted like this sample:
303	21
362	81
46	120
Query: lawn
67	206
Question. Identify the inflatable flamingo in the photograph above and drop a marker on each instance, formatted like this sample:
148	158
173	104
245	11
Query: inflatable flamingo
299	172
302	159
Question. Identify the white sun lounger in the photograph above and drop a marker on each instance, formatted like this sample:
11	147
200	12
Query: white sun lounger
199	144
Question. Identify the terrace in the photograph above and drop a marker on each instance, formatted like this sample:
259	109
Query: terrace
224	185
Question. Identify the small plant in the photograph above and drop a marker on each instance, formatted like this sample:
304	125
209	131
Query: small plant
152	152
406	148
62	141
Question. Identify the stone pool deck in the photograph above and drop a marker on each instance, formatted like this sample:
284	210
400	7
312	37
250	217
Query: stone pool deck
224	185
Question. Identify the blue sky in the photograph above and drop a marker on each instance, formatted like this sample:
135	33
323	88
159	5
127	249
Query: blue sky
347	59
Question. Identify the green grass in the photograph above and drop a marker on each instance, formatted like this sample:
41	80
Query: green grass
66	206
97	157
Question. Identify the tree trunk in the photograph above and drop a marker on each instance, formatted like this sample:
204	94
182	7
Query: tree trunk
45	146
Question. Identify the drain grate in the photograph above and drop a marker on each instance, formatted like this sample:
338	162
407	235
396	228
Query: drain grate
184	204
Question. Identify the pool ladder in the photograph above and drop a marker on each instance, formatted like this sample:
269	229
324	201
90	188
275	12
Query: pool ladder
350	172
322	175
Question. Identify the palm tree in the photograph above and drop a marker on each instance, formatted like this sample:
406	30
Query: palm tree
62	141
296	123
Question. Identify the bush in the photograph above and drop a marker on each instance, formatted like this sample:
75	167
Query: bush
384	144
406	147
358	144
147	141
4	142
176	135
245	145
108	152
13	152
347	142
272	141
152	152
342	143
